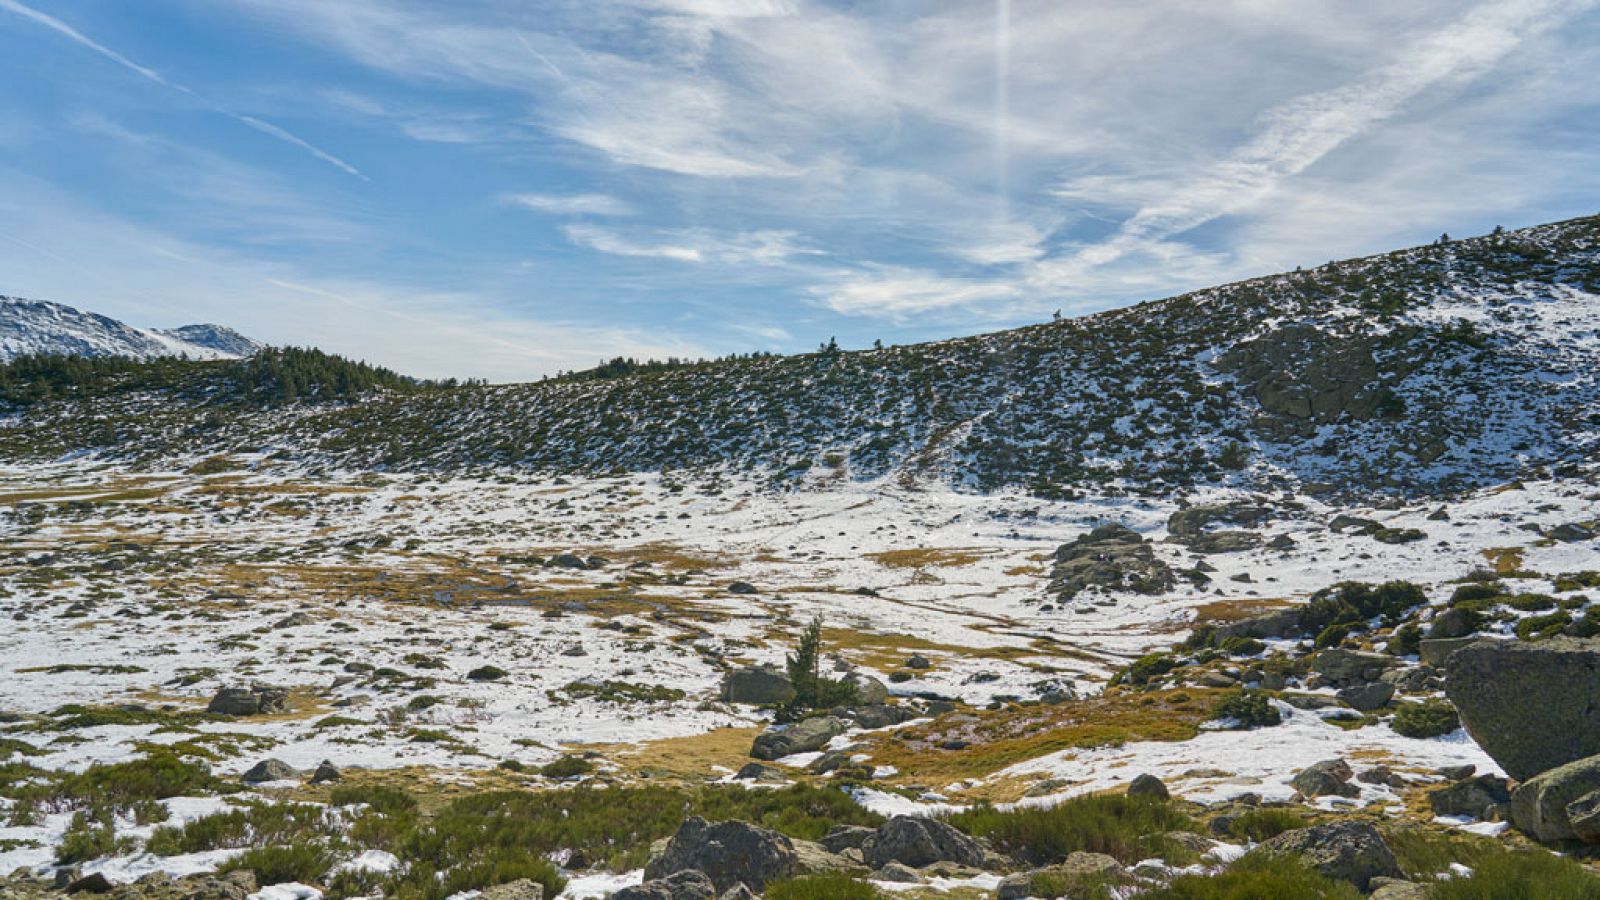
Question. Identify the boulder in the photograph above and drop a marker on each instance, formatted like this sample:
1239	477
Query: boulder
1539	805
521	889
728	853
1394	889
326	772
1437	651
1530	706
250	701
1584	816
685	885
1096	867
1194	520
1109	558
869	690
802	737
880	716
1280	623
1368	697
270	770
1329	778
1345	668
738	892
97	883
1452	623
897	873
742	587
919	842
1233	541
1479	798
1344	851
1148	785
757	772
760	685
846	837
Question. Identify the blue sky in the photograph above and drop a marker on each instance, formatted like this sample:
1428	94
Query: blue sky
505	189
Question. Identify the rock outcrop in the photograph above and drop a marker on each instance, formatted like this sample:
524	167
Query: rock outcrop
1530	706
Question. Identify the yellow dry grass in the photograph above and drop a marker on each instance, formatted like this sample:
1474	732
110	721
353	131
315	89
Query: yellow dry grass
925	557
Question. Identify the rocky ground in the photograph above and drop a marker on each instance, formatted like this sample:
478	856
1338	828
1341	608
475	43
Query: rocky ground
1259	675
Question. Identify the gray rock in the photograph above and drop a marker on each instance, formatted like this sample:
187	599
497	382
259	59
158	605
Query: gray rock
880	716
1368	697
1344	851
1110	558
1345	668
250	701
1479	798
521	889
1329	778
919	842
758	772
869	690
1213	542
897	873
739	892
97	883
1584	816
684	885
1539	805
1530	706
1194	520
326	772
802	737
760	685
1280	623
1452	623
728	853
1148	785
270	770
918	661
1392	889
1096	867
742	587
846	837
1437	651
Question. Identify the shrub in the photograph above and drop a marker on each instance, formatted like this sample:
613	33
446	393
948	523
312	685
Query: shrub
1128	828
500	866
832	886
1241	646
1531	602
1425	719
1406	640
1265	823
303	863
487	673
812	689
1248	708
1257	876
1146	669
1537	628
1517	875
567	767
1469	593
1350	604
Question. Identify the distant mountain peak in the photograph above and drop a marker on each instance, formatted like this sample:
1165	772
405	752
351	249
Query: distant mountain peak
31	327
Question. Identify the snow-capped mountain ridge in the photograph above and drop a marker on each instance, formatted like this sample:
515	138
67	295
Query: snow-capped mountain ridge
34	327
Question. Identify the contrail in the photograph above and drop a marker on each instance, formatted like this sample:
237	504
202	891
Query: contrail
83	40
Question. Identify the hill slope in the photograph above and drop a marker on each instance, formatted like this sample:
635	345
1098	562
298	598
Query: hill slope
32	328
1424	370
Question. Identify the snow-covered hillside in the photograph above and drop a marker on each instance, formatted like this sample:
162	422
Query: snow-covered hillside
31	327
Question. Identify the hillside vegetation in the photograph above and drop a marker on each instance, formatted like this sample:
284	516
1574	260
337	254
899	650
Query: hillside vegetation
1430	369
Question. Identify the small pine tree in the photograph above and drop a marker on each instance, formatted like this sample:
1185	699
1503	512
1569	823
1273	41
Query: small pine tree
811	689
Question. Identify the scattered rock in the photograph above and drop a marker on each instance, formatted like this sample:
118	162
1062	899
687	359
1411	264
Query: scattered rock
91	884
250	701
742	587
760	685
1345	668
728	853
919	842
1148	785
1109	558
846	837
758	772
1331	777
521	889
918	661
326	772
869	690
1368	697
1539	805
1530	706
684	885
802	737
897	873
270	770
1345	851
1483	797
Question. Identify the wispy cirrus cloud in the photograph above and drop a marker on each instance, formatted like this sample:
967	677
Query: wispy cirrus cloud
571	204
762	248
276	132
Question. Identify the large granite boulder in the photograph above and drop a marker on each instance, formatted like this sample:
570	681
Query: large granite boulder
1344	851
1540	805
918	842
685	885
1530	706
1111	558
760	685
805	736
251	701
728	853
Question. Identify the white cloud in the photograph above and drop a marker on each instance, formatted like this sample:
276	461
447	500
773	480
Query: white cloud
897	292
571	204
761	248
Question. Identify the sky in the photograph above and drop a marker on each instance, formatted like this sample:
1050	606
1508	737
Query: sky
505	189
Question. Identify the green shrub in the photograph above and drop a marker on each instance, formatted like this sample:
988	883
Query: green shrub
1128	828
1257	876
385	800
1146	669
1406	640
1265	823
303	863
1425	719
1520	875
487	673
1470	593
499	866
1537	628
1241	646
1350	604
832	886
1531	602
90	837
1249	708
567	767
